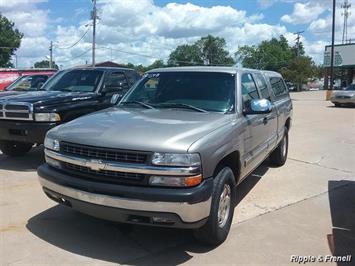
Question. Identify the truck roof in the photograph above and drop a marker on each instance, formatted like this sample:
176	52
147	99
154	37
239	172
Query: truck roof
102	68
221	69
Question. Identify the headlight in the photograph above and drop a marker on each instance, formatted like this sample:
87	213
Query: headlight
51	144
173	181
47	117
176	159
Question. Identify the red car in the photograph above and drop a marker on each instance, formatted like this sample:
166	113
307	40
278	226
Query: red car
7	76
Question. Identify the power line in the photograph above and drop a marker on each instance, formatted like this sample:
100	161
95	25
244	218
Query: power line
126	52
71	46
75	57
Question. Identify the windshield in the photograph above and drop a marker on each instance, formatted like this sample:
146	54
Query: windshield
28	83
75	81
350	87
213	92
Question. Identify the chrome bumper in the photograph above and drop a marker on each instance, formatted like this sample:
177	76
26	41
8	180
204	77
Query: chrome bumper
188	213
343	100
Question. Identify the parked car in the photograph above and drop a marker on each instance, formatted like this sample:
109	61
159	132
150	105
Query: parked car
344	97
27	83
174	149
9	75
25	118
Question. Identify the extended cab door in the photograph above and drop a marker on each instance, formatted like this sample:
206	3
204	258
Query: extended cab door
256	136
114	83
282	102
270	120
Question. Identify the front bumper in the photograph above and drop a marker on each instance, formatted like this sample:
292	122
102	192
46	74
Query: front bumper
182	208
24	131
342	100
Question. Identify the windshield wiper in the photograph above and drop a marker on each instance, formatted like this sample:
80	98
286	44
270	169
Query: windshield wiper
140	103
181	105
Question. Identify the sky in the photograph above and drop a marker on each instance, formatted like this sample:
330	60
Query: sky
142	31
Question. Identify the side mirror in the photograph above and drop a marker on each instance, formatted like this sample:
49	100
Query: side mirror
258	106
115	98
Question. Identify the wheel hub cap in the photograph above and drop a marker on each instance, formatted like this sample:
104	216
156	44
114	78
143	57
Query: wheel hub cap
224	206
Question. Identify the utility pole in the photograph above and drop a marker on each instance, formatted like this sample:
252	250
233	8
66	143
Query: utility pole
298	42
345	6
51	55
93	16
298	33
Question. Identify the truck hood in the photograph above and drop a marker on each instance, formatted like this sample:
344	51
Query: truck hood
45	98
160	130
10	93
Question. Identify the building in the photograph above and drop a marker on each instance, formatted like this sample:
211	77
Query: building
344	65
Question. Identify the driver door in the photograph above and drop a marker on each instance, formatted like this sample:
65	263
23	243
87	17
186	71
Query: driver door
255	140
114	83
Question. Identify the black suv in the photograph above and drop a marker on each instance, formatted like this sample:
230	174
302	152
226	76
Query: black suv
26	117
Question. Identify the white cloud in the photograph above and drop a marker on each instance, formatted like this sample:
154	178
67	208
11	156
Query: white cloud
304	13
141	33
32	22
322	27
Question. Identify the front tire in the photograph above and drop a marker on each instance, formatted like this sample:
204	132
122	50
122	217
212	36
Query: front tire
15	148
217	227
279	156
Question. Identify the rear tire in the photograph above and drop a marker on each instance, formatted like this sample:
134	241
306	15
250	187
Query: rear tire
217	227
337	105
15	148
279	156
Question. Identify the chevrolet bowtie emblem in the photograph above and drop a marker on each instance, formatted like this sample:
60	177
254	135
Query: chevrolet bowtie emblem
95	165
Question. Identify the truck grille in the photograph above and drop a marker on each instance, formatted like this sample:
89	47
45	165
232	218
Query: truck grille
107	154
16	111
104	175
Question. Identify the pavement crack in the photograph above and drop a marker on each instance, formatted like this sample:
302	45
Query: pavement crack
348	183
322	166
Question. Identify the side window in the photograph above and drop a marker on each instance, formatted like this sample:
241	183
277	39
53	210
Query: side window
278	86
249	90
261	83
116	81
132	77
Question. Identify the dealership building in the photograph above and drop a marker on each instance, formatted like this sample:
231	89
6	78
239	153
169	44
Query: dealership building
344	65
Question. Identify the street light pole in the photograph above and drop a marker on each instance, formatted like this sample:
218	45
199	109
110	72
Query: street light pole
332	50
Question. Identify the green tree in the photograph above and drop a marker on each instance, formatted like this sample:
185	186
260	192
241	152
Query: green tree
45	64
156	64
208	50
272	55
10	40
185	55
213	51
299	70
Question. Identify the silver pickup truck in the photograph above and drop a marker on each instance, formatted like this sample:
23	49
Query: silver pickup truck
173	150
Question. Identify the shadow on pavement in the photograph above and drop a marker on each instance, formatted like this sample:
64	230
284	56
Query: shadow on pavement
28	162
342	207
119	243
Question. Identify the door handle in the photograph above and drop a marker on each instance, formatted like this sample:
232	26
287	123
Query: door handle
265	120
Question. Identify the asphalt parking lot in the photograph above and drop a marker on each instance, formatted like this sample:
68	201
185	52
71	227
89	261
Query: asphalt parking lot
306	208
